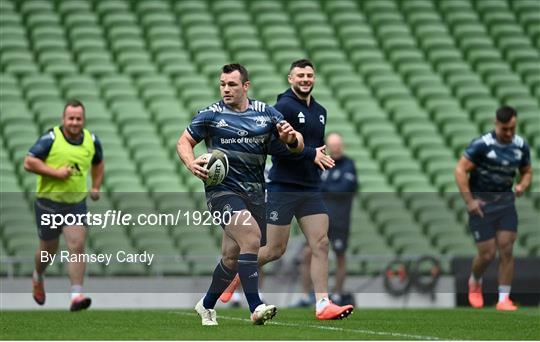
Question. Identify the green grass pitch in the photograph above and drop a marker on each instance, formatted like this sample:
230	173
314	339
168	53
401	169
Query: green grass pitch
289	324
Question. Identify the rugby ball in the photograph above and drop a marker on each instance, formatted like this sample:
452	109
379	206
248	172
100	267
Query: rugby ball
217	165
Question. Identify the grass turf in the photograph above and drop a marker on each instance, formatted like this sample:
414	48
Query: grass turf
289	324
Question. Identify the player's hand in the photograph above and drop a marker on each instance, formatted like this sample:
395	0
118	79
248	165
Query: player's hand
198	169
94	194
519	190
287	134
474	207
63	173
323	161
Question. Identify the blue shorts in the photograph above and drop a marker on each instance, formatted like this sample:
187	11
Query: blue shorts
339	238
228	203
485	228
288	200
52	217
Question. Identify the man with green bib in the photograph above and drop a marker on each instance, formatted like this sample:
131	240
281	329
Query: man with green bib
62	159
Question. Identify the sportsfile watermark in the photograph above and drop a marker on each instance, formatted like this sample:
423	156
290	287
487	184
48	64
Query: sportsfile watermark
119	218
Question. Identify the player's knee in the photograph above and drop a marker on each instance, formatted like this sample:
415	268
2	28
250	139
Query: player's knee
487	256
279	251
251	243
76	247
321	246
505	251
229	260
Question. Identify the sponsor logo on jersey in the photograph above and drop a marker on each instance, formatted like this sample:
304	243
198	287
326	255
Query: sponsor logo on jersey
492	155
242	133
321	119
222	123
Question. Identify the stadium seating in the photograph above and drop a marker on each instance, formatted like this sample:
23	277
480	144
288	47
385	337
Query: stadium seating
407	83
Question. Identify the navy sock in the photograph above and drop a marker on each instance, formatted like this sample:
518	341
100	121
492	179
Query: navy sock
221	278
249	277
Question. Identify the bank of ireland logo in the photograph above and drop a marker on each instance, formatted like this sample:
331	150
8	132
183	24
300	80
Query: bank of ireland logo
273	216
242	133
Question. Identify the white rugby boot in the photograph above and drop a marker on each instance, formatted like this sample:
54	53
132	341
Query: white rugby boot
208	316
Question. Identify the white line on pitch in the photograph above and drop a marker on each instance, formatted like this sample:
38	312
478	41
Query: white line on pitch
360	331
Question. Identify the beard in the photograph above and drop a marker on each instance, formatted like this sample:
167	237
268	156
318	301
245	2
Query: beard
302	93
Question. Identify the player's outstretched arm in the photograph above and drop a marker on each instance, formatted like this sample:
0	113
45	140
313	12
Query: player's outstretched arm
291	138
38	166
184	149
525	180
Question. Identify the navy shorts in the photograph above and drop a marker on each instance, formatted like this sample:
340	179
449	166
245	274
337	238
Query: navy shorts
52	217
339	238
287	200
485	228
227	204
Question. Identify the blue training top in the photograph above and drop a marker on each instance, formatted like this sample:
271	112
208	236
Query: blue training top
244	137
496	164
339	185
309	120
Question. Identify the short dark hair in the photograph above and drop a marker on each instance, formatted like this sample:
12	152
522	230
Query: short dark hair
228	68
505	114
301	63
74	103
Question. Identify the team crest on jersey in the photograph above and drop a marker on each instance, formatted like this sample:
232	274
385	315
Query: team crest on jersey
301	118
227	208
518	154
321	119
261	121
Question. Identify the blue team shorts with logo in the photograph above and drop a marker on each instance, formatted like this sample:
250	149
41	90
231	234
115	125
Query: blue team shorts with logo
227	204
288	200
485	228
50	213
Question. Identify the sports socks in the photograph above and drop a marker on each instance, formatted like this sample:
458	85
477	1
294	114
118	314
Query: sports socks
221	278
37	276
504	292
249	277
473	279
322	303
76	291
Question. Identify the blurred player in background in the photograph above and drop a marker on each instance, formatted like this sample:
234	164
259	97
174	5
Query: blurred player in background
62	158
294	188
485	175
339	185
241	128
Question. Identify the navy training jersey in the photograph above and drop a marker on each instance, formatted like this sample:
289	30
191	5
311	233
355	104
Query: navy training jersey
310	121
339	185
496	164
244	137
